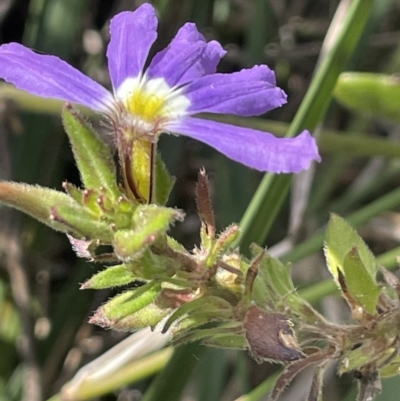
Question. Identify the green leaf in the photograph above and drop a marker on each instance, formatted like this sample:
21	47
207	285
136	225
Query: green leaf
35	201
341	238
164	182
377	95
360	285
55	209
92	155
149	222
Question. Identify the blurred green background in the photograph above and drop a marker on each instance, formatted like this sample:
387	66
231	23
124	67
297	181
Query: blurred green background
44	334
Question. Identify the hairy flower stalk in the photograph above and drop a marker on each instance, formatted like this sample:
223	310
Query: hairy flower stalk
180	82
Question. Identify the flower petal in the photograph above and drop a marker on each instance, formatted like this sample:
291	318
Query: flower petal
188	57
49	76
132	34
246	93
256	149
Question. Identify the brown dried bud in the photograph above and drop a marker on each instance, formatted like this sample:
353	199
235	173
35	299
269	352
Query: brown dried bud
270	336
204	205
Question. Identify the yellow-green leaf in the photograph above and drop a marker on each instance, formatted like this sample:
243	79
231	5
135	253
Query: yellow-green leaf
360	285
341	238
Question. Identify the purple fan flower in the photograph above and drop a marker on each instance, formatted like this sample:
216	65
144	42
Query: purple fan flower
179	83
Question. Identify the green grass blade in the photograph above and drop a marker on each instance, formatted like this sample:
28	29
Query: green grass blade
258	219
169	384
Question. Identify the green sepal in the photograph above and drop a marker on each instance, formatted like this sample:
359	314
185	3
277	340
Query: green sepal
73	191
81	223
359	283
341	238
213	338
184	332
125	304
207	305
150	265
113	276
145	268
96	201
273	281
176	246
277	275
149	222
274	287
197	318
232	330
121	216
376	95
225	239
93	156
164	182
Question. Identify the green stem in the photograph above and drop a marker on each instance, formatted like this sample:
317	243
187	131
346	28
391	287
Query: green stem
359	145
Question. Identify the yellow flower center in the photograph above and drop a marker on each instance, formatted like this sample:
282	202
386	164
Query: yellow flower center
146	106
